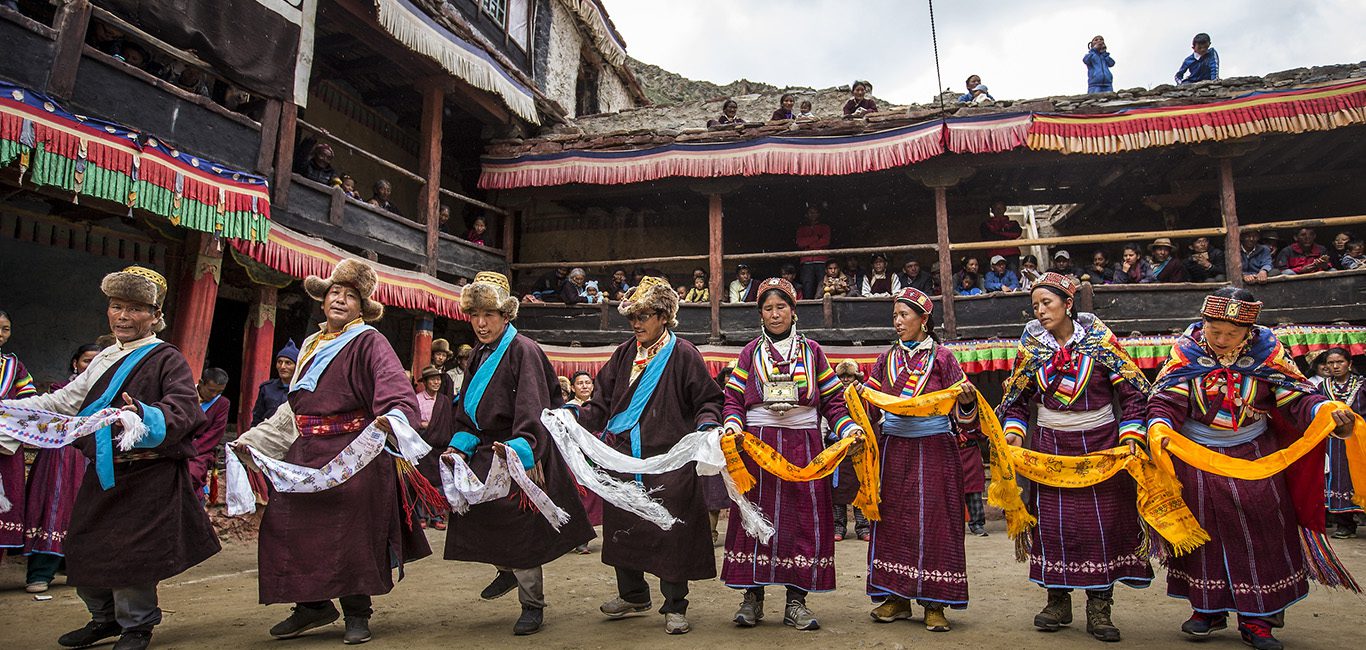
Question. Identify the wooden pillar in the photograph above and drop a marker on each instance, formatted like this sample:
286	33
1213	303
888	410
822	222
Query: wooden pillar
258	351
72	21
270	135
1233	246
284	155
941	231
422	343
509	235
429	167
716	273
193	317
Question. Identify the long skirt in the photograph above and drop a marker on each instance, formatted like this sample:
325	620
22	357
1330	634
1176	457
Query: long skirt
52	487
801	552
917	549
1252	564
1087	538
12	522
1338	492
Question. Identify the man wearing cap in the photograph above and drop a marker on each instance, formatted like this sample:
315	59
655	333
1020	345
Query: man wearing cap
1062	263
1000	278
652	392
744	287
1165	266
136	520
271	394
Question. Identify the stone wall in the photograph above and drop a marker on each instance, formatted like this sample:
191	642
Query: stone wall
565	49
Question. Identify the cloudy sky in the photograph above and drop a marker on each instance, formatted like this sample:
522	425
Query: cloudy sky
1022	49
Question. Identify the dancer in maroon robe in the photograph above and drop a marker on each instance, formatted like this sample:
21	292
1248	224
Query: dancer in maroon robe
644	411
136	520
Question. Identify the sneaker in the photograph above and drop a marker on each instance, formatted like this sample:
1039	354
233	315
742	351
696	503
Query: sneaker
582	549
529	622
867	537
1202	624
303	619
1343	532
91	634
935	621
440	524
134	640
979	531
676	624
357	630
619	607
1257	633
36	587
797	615
751	611
839	537
502	585
894	608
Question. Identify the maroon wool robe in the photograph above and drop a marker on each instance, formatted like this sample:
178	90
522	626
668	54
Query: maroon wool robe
206	440
52	485
504	533
344	541
149	526
685	400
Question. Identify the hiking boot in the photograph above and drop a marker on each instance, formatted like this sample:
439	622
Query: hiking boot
357	630
529	622
797	615
619	607
1057	613
303	619
751	610
91	634
502	585
134	640
676	623
1202	624
895	608
1098	622
935	621
1257	633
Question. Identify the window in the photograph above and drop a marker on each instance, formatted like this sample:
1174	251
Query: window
496	9
519	23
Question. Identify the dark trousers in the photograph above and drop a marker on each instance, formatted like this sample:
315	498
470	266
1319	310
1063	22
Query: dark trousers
793	594
1341	520
861	525
42	567
133	608
977	514
351	606
812	275
632	588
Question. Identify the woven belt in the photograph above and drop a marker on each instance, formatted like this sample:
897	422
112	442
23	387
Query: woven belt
331	425
131	456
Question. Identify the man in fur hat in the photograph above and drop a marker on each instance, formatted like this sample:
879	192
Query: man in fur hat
653	391
136	520
347	378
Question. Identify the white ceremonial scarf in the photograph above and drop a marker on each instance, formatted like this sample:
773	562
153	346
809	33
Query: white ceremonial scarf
49	430
463	487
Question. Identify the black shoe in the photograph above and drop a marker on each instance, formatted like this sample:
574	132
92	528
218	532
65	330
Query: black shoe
134	640
357	630
529	622
1202	624
91	634
303	619
502	585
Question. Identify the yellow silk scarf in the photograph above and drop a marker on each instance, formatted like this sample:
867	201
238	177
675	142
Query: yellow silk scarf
866	466
1165	443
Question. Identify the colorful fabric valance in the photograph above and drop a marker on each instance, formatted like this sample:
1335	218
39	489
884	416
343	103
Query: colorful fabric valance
103	160
300	256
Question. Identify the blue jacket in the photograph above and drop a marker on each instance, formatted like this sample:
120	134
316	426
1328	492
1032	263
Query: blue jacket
1256	261
1098	66
1007	280
1205	68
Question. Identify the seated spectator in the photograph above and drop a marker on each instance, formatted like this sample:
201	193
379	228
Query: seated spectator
380	199
878	284
1204	264
806	113
854	269
836	282
1132	268
547	287
860	104
106	38
1098	62
348	187
1303	256
1166	267
977	92
998	226
1029	272
1339	248
574	289
1272	240
617	288
1202	64
1062	263
967	285
789	273
699	292
784	111
912	275
744	288
1101	272
968	265
728	115
591	294
682	292
194	80
318	166
478	231
1355	257
1256	257
1000	278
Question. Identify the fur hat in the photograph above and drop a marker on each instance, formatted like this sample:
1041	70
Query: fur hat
441	345
140	285
652	295
489	290
848	368
351	273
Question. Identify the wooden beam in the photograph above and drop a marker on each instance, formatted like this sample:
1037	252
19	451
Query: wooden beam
941	231
429	165
1271	183
1228	208
510	234
715	244
72	21
270	133
284	155
365	154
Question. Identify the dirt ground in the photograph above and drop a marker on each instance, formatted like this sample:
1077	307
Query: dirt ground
437	606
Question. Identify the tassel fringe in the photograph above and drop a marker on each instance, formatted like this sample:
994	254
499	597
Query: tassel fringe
1323	563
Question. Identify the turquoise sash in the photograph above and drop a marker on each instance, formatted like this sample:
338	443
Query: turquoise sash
480	381
104	438
645	388
205	406
326	352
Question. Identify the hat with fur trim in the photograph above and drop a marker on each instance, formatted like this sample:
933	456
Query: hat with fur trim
848	368
489	290
652	296
351	273
441	345
140	285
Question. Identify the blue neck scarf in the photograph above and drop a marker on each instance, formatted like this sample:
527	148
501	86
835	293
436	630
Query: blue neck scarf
205	406
480	381
104	438
326	352
645	388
